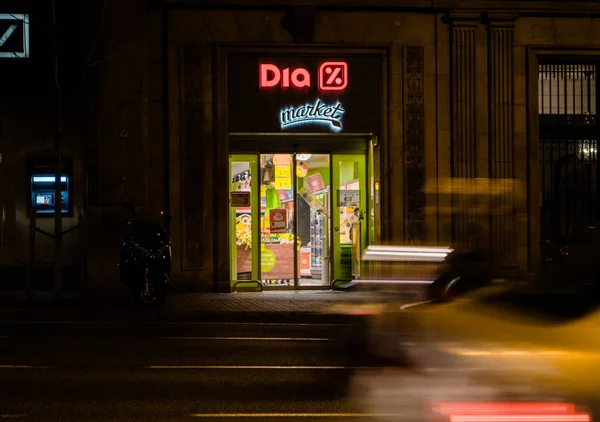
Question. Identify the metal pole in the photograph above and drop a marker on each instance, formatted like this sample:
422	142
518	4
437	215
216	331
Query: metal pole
82	228
31	266
58	167
295	226
165	116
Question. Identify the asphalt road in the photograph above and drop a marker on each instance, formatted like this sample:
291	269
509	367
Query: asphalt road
71	371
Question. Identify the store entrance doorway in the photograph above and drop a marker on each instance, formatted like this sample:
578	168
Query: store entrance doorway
297	220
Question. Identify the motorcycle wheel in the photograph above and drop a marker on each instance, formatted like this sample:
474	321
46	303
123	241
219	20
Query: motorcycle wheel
156	295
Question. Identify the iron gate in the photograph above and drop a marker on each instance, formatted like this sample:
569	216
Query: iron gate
568	149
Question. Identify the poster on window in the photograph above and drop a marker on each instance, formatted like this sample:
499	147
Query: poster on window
311	200
278	220
240	199
283	183
349	198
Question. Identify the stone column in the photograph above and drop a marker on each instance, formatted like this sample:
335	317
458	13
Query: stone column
463	115
196	134
501	131
414	144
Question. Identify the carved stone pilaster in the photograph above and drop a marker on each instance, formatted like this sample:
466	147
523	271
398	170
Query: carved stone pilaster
414	144
192	153
463	113
500	30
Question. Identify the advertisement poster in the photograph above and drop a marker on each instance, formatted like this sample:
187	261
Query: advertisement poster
349	198
283	177
311	200
278	220
283	183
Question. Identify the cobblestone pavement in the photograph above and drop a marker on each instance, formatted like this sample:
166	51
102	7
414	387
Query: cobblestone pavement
273	301
264	302
236	306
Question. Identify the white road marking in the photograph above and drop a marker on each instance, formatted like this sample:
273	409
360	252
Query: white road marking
241	367
295	415
249	338
24	367
271	324
12	416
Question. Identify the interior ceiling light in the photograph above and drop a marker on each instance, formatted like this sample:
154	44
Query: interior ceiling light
304	157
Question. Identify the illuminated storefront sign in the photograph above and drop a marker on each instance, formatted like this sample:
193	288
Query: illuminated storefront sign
14	36
317	112
332	76
304	93
271	76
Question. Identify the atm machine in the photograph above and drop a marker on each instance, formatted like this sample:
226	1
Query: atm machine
41	186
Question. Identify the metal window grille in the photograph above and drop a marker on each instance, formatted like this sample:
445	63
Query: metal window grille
568	100
567	93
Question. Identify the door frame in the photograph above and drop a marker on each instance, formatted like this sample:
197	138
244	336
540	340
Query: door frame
362	161
296	250
246	145
255	224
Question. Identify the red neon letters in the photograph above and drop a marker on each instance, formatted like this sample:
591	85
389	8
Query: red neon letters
332	76
270	75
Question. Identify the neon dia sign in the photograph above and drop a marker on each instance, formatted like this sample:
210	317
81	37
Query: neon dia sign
331	76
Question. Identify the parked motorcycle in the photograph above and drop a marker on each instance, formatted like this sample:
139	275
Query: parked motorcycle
145	265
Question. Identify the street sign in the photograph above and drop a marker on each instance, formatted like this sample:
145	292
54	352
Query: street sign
14	36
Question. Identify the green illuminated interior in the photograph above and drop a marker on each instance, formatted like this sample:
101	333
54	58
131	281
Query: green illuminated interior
333	228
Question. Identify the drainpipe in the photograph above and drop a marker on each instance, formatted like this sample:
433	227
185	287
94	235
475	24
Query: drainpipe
165	115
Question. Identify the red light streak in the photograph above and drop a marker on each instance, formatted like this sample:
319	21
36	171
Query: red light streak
470	408
512	412
581	417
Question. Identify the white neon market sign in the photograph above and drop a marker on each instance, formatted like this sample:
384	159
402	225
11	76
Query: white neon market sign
314	113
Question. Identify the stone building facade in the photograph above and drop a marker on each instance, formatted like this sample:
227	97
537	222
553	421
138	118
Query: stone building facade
461	97
460	100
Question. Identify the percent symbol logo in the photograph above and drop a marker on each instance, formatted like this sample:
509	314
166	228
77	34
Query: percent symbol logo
333	76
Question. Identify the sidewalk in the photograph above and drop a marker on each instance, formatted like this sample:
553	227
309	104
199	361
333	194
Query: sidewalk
276	306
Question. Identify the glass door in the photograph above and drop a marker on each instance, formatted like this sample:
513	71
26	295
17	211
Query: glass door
278	244
349	214
295	220
313	174
244	227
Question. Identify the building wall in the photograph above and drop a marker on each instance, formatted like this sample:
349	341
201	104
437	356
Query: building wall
534	37
126	150
192	37
28	129
471	69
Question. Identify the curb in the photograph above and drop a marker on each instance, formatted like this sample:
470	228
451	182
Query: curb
170	317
